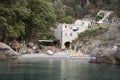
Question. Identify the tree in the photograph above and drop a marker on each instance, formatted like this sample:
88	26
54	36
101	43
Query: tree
12	20
59	9
67	19
42	17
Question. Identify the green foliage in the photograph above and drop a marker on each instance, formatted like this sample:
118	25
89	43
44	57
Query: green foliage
21	12
85	36
7	17
111	38
100	16
67	19
59	9
41	19
80	8
117	9
93	32
105	44
119	28
33	18
30	18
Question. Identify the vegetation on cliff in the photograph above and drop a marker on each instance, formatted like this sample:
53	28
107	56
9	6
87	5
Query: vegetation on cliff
79	8
103	42
32	19
85	36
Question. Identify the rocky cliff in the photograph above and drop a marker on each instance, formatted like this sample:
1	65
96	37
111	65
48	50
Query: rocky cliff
103	43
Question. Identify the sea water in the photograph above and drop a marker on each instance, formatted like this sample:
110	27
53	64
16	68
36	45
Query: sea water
57	69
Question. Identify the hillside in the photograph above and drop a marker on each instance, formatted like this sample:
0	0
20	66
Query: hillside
101	41
33	19
68	10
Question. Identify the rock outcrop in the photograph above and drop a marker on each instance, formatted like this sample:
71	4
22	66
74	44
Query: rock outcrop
104	46
108	54
6	52
111	56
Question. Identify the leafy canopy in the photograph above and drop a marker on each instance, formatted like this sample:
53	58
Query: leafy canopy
29	18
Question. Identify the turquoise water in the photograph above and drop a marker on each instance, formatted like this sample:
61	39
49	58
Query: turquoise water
57	69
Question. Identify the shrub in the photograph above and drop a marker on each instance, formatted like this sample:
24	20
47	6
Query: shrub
111	38
105	44
93	32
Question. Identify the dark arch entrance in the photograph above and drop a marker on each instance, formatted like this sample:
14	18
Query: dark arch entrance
67	44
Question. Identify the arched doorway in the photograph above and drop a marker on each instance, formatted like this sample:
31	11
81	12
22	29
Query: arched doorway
67	44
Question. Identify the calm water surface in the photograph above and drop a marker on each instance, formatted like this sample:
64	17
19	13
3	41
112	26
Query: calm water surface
57	69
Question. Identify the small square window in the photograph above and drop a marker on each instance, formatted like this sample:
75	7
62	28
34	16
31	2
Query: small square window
65	26
70	34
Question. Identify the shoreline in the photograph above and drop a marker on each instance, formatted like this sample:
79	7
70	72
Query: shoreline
6	58
59	55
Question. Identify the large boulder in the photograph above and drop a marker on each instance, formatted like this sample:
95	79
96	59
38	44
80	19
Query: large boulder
23	49
7	51
4	46
117	54
108	55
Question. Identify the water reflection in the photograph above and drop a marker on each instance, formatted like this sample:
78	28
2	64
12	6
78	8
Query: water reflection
72	69
57	69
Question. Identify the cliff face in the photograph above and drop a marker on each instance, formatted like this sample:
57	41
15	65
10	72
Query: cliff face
104	44
109	55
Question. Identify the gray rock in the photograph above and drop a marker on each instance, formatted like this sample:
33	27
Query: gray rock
108	55
117	53
4	46
6	50
23	49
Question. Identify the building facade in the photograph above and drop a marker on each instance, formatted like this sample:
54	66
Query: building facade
69	32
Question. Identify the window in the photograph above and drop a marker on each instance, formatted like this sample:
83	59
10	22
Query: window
74	30
70	34
65	26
